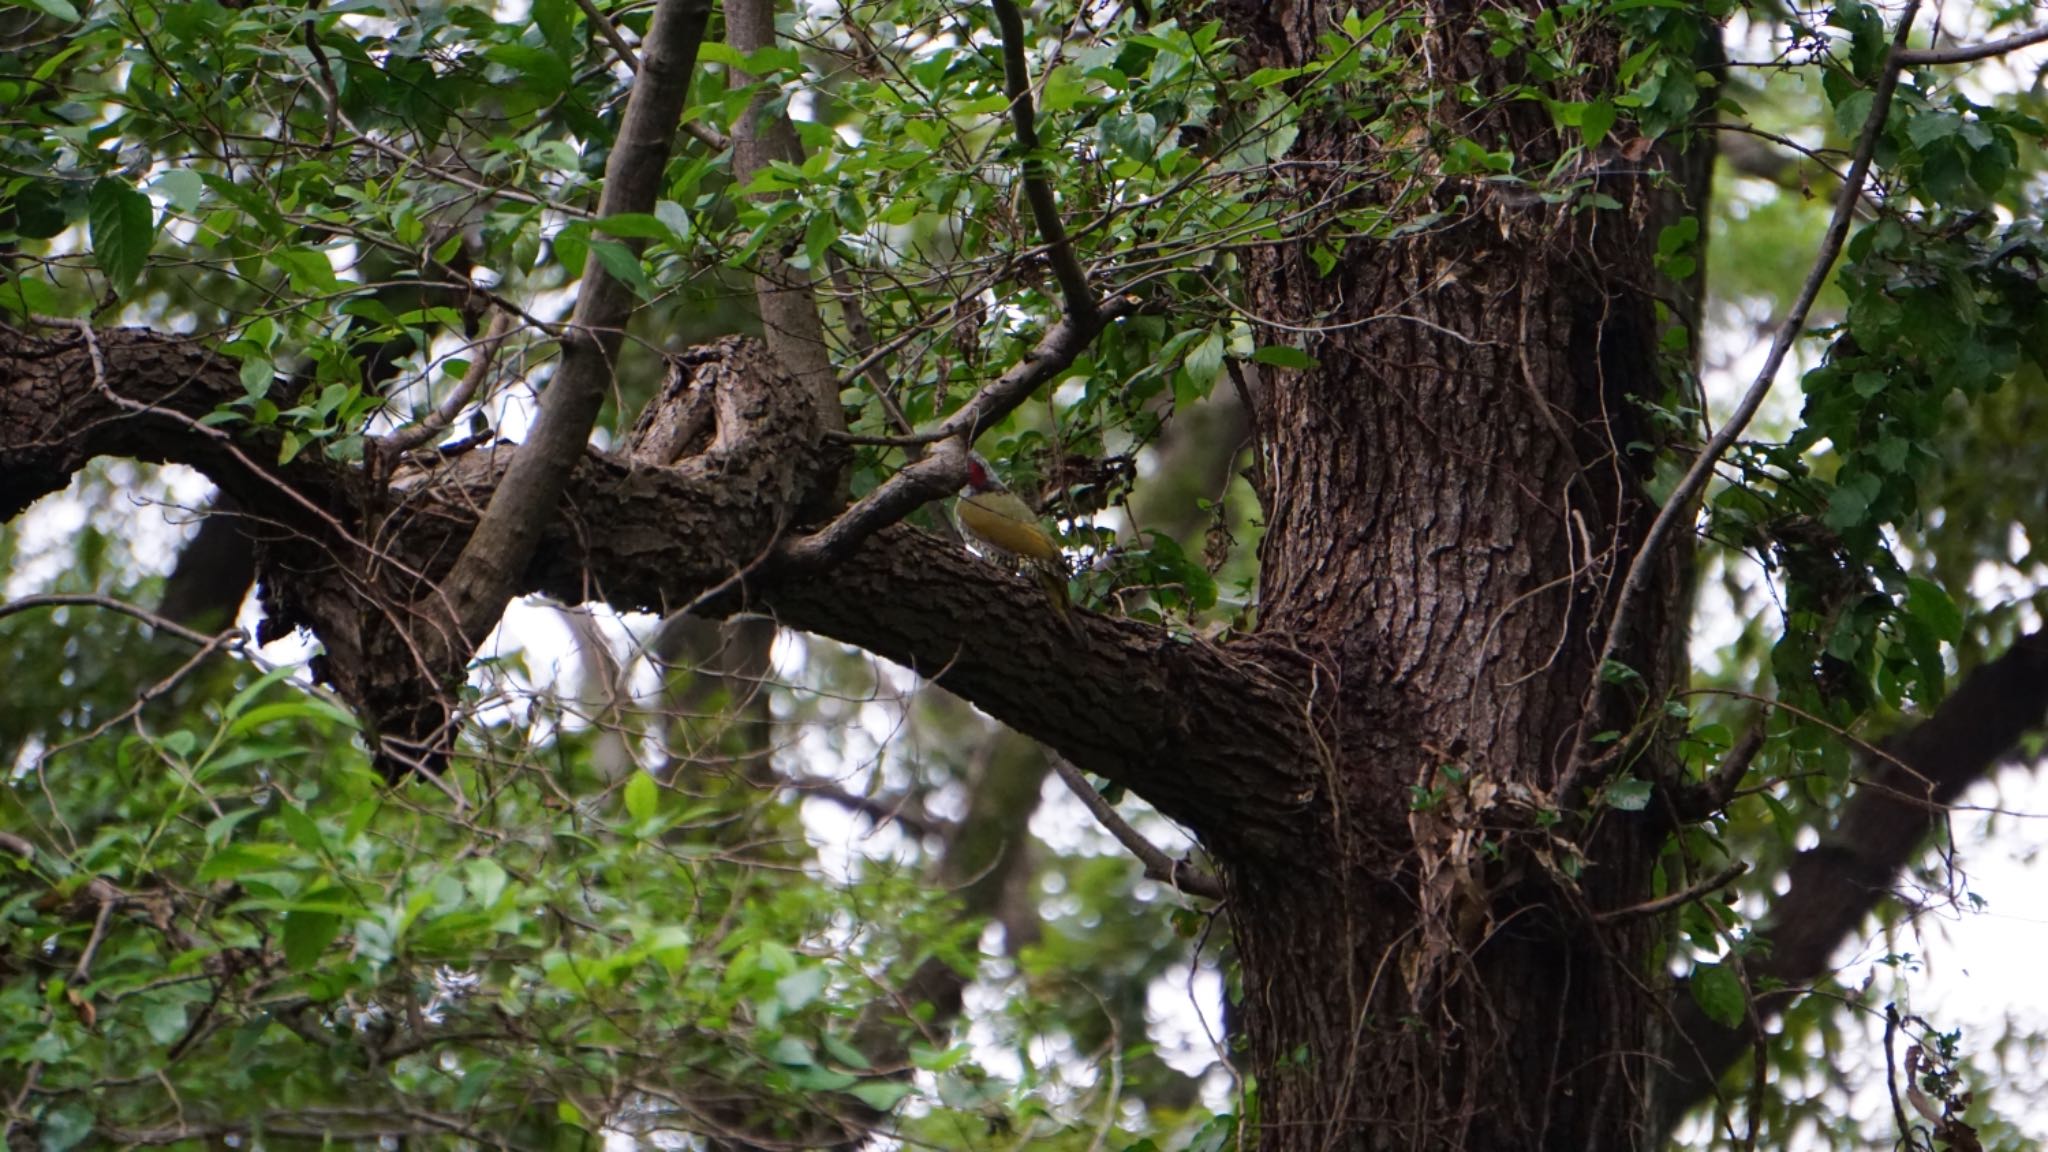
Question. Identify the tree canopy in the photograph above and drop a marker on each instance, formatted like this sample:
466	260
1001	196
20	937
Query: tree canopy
623	746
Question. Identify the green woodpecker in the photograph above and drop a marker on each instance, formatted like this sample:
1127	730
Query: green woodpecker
996	518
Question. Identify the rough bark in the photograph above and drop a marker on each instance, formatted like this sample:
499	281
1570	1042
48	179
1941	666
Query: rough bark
1451	506
643	534
1413	895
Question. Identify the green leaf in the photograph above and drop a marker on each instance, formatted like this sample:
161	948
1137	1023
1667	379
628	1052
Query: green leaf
1678	236
634	226
1596	119
306	937
164	1020
619	260
58	8
557	22
1283	356
670	947
821	231
63	1127
257	687
792	1052
1628	794
301	828
1927	601
1615	672
1848	507
307	269
1782	820
548	72
881	1095
845	1053
182	187
1205	359
1718	992
1268	77
33	296
643	797
675	218
800	987
485	880
237	860
122	225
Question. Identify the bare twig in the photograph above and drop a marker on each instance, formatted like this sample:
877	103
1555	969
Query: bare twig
1712	794
67	599
438	421
880	809
610	32
861	335
1705	887
1158	865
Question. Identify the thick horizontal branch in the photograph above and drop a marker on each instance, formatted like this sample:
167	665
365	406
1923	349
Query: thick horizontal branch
1115	696
1836	884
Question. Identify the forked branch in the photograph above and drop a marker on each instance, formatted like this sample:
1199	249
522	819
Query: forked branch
943	471
484	577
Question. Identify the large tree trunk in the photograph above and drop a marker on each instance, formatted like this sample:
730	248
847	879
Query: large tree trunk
1452	503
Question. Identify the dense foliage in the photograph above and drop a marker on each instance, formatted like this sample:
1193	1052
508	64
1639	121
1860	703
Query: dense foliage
675	883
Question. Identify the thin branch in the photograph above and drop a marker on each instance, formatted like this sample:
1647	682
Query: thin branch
1045	211
1714	883
610	32
1748	167
407	159
879	809
1928	57
914	441
438	421
1713	794
1158	865
524	502
1891	1073
943	471
61	600
1680	502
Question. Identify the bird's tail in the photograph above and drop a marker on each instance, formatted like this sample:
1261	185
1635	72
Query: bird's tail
1053	578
